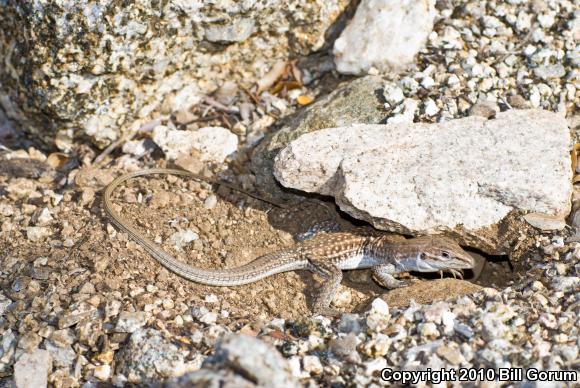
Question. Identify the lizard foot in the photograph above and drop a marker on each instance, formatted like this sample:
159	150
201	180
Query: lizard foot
383	275
396	283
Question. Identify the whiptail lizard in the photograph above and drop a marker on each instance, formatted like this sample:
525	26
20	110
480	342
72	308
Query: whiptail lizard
326	254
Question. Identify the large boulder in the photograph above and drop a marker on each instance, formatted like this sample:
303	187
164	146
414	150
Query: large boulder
98	67
462	177
358	101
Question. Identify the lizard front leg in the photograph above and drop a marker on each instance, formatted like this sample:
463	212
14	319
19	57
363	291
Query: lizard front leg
383	274
332	277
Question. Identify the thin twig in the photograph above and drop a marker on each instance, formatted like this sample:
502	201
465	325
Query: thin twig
218	105
127	136
252	96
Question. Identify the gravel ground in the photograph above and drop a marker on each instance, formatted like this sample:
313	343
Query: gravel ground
82	304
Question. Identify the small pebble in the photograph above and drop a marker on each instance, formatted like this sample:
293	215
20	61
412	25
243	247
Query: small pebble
312	364
379	306
208	318
463	330
210	202
128	322
428	329
180	239
431	108
37	233
102	372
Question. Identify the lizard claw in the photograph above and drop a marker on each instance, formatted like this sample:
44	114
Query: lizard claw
456	274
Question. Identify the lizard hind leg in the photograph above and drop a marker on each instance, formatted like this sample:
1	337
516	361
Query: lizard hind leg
332	276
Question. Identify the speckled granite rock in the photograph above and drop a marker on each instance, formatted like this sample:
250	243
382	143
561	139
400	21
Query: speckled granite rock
98	67
241	361
149	355
356	101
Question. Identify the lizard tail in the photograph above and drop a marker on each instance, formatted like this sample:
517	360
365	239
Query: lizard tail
264	266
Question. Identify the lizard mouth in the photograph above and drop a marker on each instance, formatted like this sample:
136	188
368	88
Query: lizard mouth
456	271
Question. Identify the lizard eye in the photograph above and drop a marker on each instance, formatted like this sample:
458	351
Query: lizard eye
423	256
445	255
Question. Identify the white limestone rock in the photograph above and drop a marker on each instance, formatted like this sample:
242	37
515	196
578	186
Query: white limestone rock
31	369
102	372
37	233
383	35
129	322
149	355
181	238
460	177
213	143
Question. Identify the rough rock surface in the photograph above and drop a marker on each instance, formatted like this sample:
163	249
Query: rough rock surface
212	143
210	378
97	66
356	101
242	361
462	177
31	369
149	356
384	35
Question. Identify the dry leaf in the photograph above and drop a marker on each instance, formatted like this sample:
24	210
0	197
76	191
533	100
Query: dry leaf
272	76
57	160
304	100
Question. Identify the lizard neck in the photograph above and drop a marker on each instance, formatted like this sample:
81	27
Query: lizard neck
405	255
387	251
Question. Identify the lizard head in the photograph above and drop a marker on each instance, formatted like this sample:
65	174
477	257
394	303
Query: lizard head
435	253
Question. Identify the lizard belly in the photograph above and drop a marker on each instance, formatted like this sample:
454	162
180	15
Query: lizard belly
357	261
